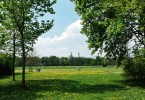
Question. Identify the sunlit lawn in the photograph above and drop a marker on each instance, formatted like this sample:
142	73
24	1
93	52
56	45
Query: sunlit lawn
65	83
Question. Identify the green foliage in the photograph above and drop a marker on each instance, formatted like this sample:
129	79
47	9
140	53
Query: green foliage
64	61
33	61
105	62
111	24
22	16
5	64
134	68
18	62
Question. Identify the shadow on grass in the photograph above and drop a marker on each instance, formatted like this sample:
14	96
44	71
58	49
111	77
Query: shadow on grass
16	74
54	85
4	76
131	83
71	86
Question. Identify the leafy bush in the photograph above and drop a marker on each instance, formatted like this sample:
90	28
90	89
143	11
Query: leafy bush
5	65
105	62
134	68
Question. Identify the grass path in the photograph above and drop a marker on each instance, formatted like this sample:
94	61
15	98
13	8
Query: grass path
64	83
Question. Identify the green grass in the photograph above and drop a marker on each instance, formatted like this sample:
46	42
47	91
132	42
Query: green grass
67	83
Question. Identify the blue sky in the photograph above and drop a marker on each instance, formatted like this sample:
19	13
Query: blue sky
65	36
63	17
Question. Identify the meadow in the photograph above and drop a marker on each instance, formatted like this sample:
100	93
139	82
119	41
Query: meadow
67	83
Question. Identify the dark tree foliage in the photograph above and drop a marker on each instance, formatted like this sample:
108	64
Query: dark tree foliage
134	68
5	64
65	61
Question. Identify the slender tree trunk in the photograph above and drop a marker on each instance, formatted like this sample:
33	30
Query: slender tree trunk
23	57
23	45
144	43
14	50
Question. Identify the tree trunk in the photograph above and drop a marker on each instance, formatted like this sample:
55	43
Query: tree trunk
23	57
13	66
23	45
144	33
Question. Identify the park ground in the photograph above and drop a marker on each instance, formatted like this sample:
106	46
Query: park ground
67	83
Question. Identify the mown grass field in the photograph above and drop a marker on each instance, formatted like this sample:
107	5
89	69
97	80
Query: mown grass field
67	83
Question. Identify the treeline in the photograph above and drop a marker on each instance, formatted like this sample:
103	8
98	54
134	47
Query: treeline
65	61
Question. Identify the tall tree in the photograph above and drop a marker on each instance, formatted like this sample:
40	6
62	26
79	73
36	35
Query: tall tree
7	34
25	17
111	25
14	53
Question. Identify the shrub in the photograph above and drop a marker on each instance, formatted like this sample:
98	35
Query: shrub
105	62
134	68
5	65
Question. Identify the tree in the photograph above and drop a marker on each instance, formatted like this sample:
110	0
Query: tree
7	34
14	55
98	60
53	61
105	62
111	25
64	61
71	59
134	68
44	61
88	61
24	16
18	61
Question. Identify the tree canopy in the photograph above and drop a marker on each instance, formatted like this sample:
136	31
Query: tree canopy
111	25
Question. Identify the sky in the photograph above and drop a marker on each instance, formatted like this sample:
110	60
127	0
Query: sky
65	36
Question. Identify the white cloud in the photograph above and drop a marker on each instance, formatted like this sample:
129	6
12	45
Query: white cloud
71	40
